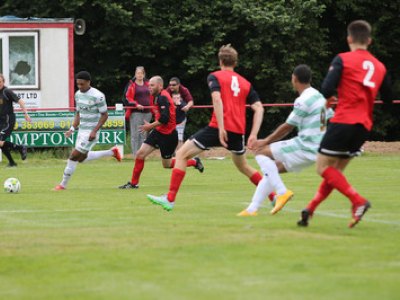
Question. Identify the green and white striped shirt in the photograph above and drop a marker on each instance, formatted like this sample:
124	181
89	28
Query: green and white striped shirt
309	115
90	105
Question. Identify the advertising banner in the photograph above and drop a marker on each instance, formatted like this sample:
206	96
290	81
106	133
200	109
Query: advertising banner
47	129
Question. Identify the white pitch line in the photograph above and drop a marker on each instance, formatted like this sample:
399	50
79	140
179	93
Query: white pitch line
32	211
325	214
339	216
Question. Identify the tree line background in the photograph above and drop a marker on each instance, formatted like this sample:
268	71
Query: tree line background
182	38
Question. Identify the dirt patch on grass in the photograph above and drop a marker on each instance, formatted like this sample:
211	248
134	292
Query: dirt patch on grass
369	147
382	147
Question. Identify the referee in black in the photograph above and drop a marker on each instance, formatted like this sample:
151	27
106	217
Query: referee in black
7	122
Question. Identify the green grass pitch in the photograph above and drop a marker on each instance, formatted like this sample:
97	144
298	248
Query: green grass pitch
94	241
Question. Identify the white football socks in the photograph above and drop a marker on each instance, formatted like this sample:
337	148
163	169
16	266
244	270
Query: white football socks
92	155
264	188
68	171
269	168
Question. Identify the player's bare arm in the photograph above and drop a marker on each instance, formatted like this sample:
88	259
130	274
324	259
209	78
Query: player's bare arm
146	127
258	115
75	124
219	114
22	105
278	134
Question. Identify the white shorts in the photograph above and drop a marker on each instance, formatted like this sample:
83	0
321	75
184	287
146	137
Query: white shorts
290	154
83	144
180	128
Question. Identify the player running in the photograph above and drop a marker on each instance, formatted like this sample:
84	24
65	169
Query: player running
91	114
309	116
163	134
230	92
358	77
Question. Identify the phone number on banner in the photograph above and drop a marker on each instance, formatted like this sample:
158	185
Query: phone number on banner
54	123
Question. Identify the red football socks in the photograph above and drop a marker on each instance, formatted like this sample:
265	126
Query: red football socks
176	180
337	180
137	170
271	196
256	178
323	192
190	163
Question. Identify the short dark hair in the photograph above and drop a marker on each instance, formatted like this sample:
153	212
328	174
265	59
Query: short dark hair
360	31
176	79
303	73
85	75
228	55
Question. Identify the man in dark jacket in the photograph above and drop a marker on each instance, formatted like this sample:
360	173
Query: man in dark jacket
7	122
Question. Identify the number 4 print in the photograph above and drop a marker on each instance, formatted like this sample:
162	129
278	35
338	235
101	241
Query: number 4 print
369	66
235	86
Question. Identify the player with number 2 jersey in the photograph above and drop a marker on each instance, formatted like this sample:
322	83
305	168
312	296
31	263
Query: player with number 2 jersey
361	76
357	76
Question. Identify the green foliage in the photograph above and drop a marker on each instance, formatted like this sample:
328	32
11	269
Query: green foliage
182	38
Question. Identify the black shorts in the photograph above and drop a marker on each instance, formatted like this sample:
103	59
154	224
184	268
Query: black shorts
167	143
208	137
6	126
343	140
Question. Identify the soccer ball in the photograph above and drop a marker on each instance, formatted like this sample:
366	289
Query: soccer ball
12	185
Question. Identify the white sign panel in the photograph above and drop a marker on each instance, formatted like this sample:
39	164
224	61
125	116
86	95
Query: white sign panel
32	99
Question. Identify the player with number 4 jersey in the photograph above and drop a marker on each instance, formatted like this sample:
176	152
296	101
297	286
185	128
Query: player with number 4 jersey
230	93
236	92
357	76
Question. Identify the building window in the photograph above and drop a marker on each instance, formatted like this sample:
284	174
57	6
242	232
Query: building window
20	59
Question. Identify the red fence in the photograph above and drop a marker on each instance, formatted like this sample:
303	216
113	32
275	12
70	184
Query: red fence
195	106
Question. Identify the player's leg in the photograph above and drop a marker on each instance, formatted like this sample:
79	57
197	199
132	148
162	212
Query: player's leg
79	154
170	144
200	141
72	162
335	178
263	189
6	151
335	154
281	157
113	152
187	151
6	128
237	147
141	155
271	171
243	166
325	188
192	162
23	151
148	146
